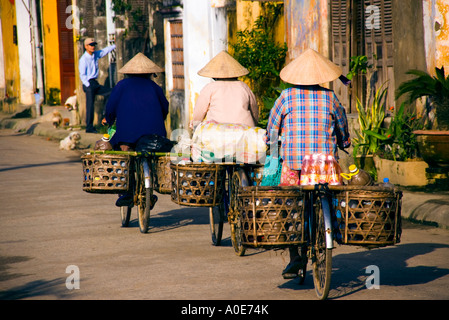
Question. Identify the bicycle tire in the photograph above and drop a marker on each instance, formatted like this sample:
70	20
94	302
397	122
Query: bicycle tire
321	255
216	218
235	223
144	196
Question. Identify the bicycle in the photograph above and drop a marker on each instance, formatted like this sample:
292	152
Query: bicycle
141	185
306	217
313	232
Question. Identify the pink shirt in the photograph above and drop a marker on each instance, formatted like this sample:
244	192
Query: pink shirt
227	102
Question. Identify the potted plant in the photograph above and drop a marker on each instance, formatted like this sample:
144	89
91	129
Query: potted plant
433	144
397	157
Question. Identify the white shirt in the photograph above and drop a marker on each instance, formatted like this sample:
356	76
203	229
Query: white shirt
88	64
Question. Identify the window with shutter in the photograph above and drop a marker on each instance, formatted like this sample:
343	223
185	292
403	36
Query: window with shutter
363	27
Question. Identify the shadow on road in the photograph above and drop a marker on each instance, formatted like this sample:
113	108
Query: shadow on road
33	165
36	289
349	270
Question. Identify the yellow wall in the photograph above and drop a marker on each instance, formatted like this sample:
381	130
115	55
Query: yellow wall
51	44
10	50
249	11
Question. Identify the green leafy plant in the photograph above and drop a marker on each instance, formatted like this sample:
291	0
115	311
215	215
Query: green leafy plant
398	142
436	88
257	50
53	97
358	64
370	119
124	7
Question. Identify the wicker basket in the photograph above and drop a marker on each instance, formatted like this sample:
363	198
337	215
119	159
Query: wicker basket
197	184
271	216
162	183
106	173
369	217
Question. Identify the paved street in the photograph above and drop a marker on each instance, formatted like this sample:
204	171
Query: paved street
48	224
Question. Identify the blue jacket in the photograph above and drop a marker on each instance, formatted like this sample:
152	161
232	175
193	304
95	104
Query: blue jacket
139	107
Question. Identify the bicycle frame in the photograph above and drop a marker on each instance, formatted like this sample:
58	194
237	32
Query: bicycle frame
319	192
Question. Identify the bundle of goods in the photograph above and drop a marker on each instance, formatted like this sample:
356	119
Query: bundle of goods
320	168
368	216
106	173
197	184
213	142
271	216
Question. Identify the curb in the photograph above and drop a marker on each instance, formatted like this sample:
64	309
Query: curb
46	129
426	208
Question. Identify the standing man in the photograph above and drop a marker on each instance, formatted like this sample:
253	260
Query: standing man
88	68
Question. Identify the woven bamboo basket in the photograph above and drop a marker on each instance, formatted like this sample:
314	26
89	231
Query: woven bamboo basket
369	217
197	184
271	216
106	173
163	176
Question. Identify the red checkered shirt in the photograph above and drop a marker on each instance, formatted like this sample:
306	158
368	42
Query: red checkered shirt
310	120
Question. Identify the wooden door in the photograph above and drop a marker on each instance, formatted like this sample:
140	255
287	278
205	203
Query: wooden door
66	52
177	54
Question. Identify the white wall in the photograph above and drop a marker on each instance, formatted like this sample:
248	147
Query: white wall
24	29
205	35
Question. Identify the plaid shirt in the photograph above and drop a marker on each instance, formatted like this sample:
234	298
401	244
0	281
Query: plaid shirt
310	120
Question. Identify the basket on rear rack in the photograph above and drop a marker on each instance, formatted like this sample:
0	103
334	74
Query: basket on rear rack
369	216
106	173
163	176
197	184
271	216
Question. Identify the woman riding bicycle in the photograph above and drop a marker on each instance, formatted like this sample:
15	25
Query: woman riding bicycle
311	120
138	107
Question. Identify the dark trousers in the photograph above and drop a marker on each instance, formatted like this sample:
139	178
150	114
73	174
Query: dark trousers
91	91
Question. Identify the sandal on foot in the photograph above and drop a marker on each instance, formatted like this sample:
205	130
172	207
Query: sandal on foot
292	270
153	201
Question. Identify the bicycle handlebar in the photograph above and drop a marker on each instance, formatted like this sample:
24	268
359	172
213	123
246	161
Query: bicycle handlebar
138	153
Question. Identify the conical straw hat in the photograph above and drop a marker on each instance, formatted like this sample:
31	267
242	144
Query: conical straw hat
140	64
310	68
223	66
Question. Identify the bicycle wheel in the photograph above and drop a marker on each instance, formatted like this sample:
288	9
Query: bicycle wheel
216	218
144	196
234	215
321	255
125	213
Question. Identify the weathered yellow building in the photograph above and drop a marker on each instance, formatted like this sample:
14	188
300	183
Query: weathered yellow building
31	60
52	76
10	53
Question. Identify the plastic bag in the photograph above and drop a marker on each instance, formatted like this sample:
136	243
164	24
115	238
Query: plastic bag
320	168
272	171
154	143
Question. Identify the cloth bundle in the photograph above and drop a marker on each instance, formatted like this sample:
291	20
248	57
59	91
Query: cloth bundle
217	142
